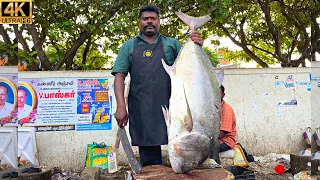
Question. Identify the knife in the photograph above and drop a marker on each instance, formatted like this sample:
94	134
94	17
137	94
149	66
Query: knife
134	164
122	136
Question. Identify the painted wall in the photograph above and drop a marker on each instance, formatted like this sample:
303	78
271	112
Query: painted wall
268	120
315	99
265	122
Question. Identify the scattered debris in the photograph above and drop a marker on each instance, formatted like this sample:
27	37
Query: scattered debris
59	174
303	175
90	173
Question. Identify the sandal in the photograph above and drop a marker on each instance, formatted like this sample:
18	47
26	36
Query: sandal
31	170
10	175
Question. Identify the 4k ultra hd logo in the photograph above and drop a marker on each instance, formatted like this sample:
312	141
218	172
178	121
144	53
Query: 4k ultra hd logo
15	11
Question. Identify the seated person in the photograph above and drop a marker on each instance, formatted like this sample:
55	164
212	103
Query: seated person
228	130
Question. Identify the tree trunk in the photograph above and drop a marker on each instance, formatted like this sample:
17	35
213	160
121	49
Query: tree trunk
45	62
315	38
272	29
72	51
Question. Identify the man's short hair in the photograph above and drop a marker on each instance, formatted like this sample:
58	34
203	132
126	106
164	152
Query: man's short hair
222	88
4	87
23	91
149	8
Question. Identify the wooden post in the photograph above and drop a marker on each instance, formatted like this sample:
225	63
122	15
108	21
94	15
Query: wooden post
299	163
315	165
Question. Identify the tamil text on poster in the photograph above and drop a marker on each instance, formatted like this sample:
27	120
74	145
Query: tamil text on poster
49	103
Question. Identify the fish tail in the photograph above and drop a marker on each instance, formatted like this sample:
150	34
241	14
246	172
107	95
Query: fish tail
193	23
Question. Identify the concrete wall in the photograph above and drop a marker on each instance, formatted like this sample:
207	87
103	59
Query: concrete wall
264	124
8	69
315	99
256	95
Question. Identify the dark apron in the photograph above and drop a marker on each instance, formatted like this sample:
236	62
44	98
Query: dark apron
150	87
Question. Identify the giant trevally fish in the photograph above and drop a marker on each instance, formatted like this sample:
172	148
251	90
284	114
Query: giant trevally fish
194	114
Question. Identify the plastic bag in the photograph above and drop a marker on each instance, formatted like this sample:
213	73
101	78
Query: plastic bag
97	155
240	159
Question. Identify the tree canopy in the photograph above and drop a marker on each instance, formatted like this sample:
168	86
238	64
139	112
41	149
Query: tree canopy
212	55
271	31
81	34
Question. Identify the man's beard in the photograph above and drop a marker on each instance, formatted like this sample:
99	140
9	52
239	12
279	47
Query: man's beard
150	33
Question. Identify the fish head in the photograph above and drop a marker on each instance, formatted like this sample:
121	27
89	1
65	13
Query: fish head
188	150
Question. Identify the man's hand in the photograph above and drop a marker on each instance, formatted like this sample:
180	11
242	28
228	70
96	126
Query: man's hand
121	116
222	134
195	37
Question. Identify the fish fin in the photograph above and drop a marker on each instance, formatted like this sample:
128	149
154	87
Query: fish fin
193	22
220	77
165	112
171	70
187	119
210	164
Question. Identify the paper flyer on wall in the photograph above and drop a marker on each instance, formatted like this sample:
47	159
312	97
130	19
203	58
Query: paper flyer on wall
94	105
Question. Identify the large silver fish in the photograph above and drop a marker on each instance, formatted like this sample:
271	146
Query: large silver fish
194	114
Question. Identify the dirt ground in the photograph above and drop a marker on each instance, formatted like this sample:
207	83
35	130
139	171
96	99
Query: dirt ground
261	171
261	176
120	175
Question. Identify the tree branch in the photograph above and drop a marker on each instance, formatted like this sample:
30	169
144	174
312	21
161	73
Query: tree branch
244	47
263	50
293	45
185	11
43	35
315	38
301	26
5	35
242	34
72	51
20	38
225	30
296	63
86	50
272	29
45	62
68	57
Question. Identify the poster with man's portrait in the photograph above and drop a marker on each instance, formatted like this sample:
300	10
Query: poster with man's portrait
27	103
8	99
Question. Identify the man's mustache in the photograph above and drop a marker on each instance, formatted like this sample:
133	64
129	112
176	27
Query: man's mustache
149	26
